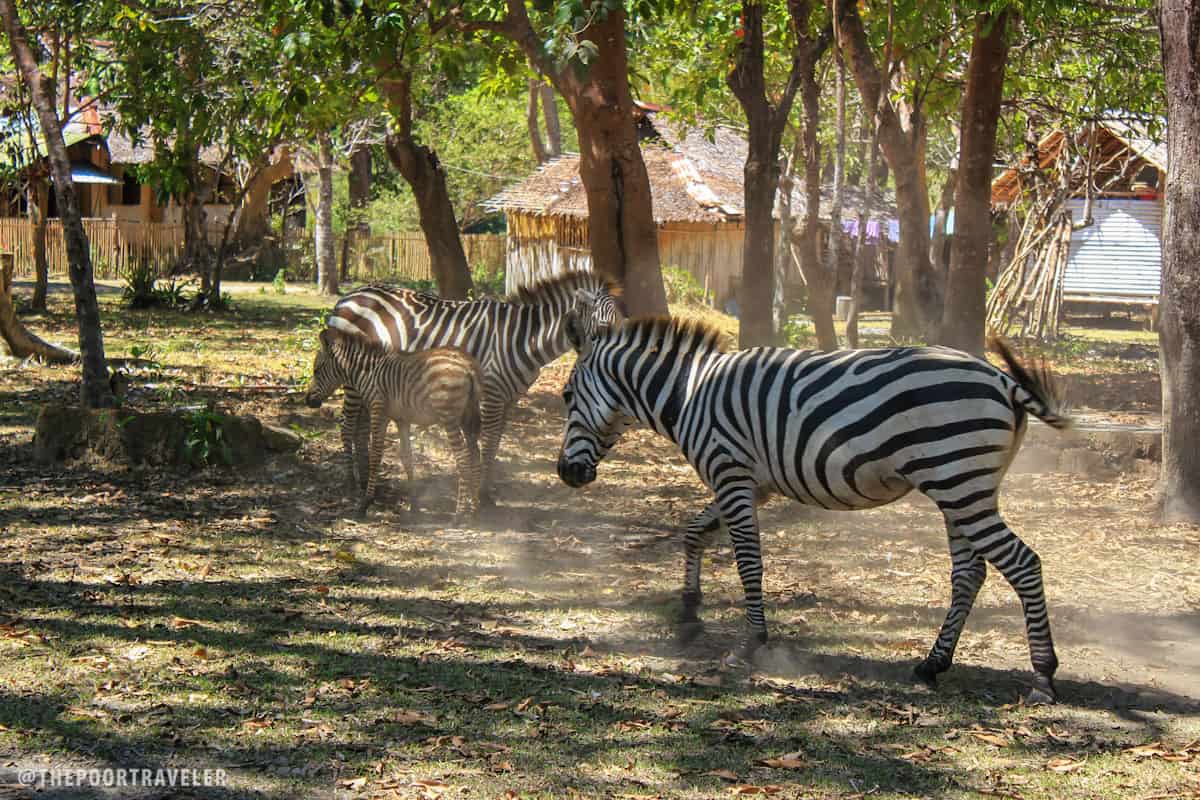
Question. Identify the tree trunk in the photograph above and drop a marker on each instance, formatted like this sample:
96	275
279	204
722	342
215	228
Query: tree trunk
901	131
254	220
15	340
941	220
1179	305
95	391
965	314
420	167
360	194
327	276
550	116
822	284
531	122
861	262
765	122
622	235
41	267
833	252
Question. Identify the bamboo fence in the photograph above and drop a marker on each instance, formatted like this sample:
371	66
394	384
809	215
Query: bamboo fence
117	246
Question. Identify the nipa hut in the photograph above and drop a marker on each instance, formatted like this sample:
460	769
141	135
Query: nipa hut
1086	220
696	185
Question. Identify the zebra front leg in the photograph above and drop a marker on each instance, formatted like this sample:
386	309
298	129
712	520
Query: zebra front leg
351	413
362	448
695	539
992	539
378	423
967	573
494	414
738	507
466	459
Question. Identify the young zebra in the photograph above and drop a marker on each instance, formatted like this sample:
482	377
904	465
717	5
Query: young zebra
438	386
847	429
512	340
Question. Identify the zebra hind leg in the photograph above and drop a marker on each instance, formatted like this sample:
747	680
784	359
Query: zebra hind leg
991	538
377	429
967	573
700	531
466	458
738	505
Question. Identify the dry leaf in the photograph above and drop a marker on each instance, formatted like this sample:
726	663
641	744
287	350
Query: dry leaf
1064	765
746	788
707	680
988	737
200	652
496	707
410	717
723	774
790	761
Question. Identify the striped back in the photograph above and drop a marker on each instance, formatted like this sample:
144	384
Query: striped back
512	339
841	429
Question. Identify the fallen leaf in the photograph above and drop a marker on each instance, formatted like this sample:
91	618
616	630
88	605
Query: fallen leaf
410	717
790	761
723	774
200	652
1064	765
988	737
746	788
707	680
496	707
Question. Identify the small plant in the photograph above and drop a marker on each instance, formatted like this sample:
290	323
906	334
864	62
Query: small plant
146	352
683	288
205	442
488	282
138	291
280	281
798	332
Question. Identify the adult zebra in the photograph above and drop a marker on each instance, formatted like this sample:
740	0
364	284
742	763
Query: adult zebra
846	429
512	340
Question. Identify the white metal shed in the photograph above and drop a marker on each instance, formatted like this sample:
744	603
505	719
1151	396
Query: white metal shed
1119	258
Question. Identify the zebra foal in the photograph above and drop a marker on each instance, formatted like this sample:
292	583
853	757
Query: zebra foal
512	340
430	387
848	429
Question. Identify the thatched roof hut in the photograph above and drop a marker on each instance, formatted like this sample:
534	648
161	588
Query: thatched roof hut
696	185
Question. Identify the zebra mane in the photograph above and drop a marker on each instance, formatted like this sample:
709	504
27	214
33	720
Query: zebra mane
355	340
669	330
567	282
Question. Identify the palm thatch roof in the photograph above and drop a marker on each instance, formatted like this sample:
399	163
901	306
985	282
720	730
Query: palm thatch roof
695	176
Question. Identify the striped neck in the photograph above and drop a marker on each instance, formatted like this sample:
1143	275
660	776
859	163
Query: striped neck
541	309
656	364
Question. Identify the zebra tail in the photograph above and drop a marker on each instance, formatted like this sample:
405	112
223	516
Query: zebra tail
1036	391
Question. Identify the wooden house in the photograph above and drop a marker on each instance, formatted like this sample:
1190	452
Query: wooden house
1118	258
696	185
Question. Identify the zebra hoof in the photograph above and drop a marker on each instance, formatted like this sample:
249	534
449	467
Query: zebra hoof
750	646
1042	693
687	632
926	672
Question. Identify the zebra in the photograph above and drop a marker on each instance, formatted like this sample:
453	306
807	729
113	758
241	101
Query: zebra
848	429
512	339
437	386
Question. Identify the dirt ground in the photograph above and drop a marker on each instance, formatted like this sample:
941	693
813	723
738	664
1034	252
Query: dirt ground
243	621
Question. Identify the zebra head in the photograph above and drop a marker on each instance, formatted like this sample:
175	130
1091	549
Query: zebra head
595	418
328	374
595	310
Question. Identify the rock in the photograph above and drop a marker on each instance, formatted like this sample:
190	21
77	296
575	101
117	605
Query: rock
281	440
190	438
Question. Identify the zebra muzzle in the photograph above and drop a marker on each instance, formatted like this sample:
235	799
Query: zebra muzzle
575	473
312	401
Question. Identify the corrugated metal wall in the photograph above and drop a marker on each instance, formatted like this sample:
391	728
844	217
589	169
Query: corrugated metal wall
1120	257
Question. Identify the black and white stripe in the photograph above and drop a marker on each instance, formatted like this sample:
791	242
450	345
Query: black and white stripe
439	386
847	429
511	339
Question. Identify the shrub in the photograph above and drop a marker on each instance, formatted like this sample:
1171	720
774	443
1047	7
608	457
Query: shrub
205	442
144	290
683	288
280	281
489	282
